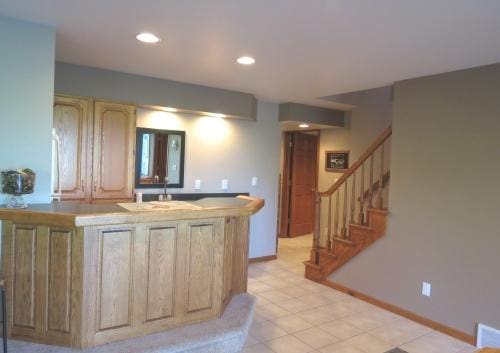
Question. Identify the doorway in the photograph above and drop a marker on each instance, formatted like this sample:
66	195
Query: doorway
299	180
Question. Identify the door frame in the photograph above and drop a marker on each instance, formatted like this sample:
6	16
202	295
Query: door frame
284	192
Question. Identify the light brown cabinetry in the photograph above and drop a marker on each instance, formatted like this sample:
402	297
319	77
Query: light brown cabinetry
73	125
91	285
96	154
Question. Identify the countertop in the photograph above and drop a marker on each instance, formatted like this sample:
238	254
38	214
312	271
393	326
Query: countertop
80	214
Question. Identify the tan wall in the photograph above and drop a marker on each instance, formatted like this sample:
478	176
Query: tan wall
444	202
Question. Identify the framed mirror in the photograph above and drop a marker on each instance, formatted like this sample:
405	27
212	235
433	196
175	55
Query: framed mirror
159	155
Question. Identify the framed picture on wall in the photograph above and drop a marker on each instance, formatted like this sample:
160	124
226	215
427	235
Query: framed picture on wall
336	161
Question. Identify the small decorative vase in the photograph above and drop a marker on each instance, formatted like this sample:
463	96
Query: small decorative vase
17	183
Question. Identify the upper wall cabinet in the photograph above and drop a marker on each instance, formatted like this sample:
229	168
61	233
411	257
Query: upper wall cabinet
114	144
96	149
73	126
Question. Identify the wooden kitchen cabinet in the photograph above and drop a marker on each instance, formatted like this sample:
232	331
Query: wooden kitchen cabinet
96	154
73	125
114	144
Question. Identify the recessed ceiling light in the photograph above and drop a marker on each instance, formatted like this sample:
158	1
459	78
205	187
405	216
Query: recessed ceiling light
217	115
146	37
303	126
245	60
170	109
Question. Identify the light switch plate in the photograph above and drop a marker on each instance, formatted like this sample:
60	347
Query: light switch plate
224	184
197	184
254	181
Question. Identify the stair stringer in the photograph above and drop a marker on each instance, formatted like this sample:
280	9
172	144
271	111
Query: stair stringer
360	237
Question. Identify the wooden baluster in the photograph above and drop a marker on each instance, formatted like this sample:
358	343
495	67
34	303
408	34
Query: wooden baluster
343	231
353	197
317	227
329	230
361	215
370	204
380	201
336	229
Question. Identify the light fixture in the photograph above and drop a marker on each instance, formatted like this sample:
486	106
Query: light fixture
170	109
217	115
146	37
245	60
303	126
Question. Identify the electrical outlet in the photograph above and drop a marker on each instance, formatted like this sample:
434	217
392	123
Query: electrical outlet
197	184
426	289
224	185
254	181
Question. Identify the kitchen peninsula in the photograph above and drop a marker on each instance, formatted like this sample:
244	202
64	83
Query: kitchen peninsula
83	275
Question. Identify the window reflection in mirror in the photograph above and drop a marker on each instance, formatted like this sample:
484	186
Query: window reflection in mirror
160	157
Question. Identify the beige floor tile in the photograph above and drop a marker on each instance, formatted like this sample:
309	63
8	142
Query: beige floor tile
315	300
295	291
338	310
261	301
257	348
340	329
266	331
276	283
288	344
315	316
271	311
435	342
292	323
315	337
400	332
294	305
340	347
369	344
282	292
362	321
258	287
275	295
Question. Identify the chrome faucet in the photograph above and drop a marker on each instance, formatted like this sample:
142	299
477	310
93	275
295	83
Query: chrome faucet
166	196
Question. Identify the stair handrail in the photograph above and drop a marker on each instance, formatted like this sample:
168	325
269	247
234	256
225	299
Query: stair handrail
342	181
367	154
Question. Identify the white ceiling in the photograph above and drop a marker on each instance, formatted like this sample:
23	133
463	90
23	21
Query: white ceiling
304	48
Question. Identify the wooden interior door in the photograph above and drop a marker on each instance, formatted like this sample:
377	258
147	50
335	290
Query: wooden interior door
73	124
114	144
303	177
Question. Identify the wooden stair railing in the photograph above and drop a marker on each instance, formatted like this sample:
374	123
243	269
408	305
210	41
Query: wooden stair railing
346	212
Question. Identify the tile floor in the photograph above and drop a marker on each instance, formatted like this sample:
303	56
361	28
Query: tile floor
295	315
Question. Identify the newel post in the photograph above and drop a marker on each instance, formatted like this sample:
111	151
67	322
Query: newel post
317	226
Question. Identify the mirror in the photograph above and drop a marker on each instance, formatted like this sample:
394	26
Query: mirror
159	155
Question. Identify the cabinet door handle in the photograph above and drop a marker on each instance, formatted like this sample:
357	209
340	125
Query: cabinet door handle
83	186
95	185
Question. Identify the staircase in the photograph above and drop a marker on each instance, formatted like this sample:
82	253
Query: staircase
351	214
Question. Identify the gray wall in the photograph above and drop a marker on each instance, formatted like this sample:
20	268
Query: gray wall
142	90
26	96
310	114
372	113
231	149
444	202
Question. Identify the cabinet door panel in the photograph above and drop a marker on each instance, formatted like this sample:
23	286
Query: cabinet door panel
59	281
200	270
161	263
114	141
24	253
115	278
71	122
